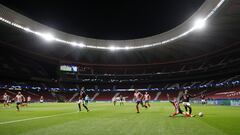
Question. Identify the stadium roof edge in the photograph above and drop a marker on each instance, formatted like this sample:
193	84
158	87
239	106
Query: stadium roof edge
208	8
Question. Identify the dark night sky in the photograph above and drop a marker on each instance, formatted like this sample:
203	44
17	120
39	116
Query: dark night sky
108	19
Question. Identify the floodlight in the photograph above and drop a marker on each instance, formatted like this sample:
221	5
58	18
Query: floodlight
127	48
199	24
73	43
112	48
27	29
47	36
81	45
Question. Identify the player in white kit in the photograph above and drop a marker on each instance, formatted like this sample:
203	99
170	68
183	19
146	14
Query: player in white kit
19	100
121	100
6	100
41	99
138	96
29	99
147	98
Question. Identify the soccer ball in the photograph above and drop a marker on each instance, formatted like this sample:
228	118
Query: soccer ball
200	114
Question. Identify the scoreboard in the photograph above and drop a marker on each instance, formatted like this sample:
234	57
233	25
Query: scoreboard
68	68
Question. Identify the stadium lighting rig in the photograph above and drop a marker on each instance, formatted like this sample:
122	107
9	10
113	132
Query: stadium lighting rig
197	25
112	48
47	36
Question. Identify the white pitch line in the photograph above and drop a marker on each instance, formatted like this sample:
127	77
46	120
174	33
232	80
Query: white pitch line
34	118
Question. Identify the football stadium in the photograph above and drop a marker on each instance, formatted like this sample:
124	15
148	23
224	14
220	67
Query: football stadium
166	67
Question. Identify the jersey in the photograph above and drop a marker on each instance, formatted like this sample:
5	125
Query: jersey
186	97
6	97
28	99
138	96
82	95
41	99
146	97
19	98
86	98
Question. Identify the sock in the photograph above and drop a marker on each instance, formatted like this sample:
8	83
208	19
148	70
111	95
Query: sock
190	110
85	107
186	108
79	107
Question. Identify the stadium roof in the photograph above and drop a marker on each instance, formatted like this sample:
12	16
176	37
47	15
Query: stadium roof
200	17
113	20
222	30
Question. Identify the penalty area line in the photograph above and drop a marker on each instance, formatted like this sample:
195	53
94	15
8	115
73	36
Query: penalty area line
35	118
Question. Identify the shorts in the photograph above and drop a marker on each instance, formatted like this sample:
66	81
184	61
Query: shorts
19	103
203	101
41	101
80	101
186	104
139	101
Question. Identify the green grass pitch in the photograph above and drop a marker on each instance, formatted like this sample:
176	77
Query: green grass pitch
105	119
